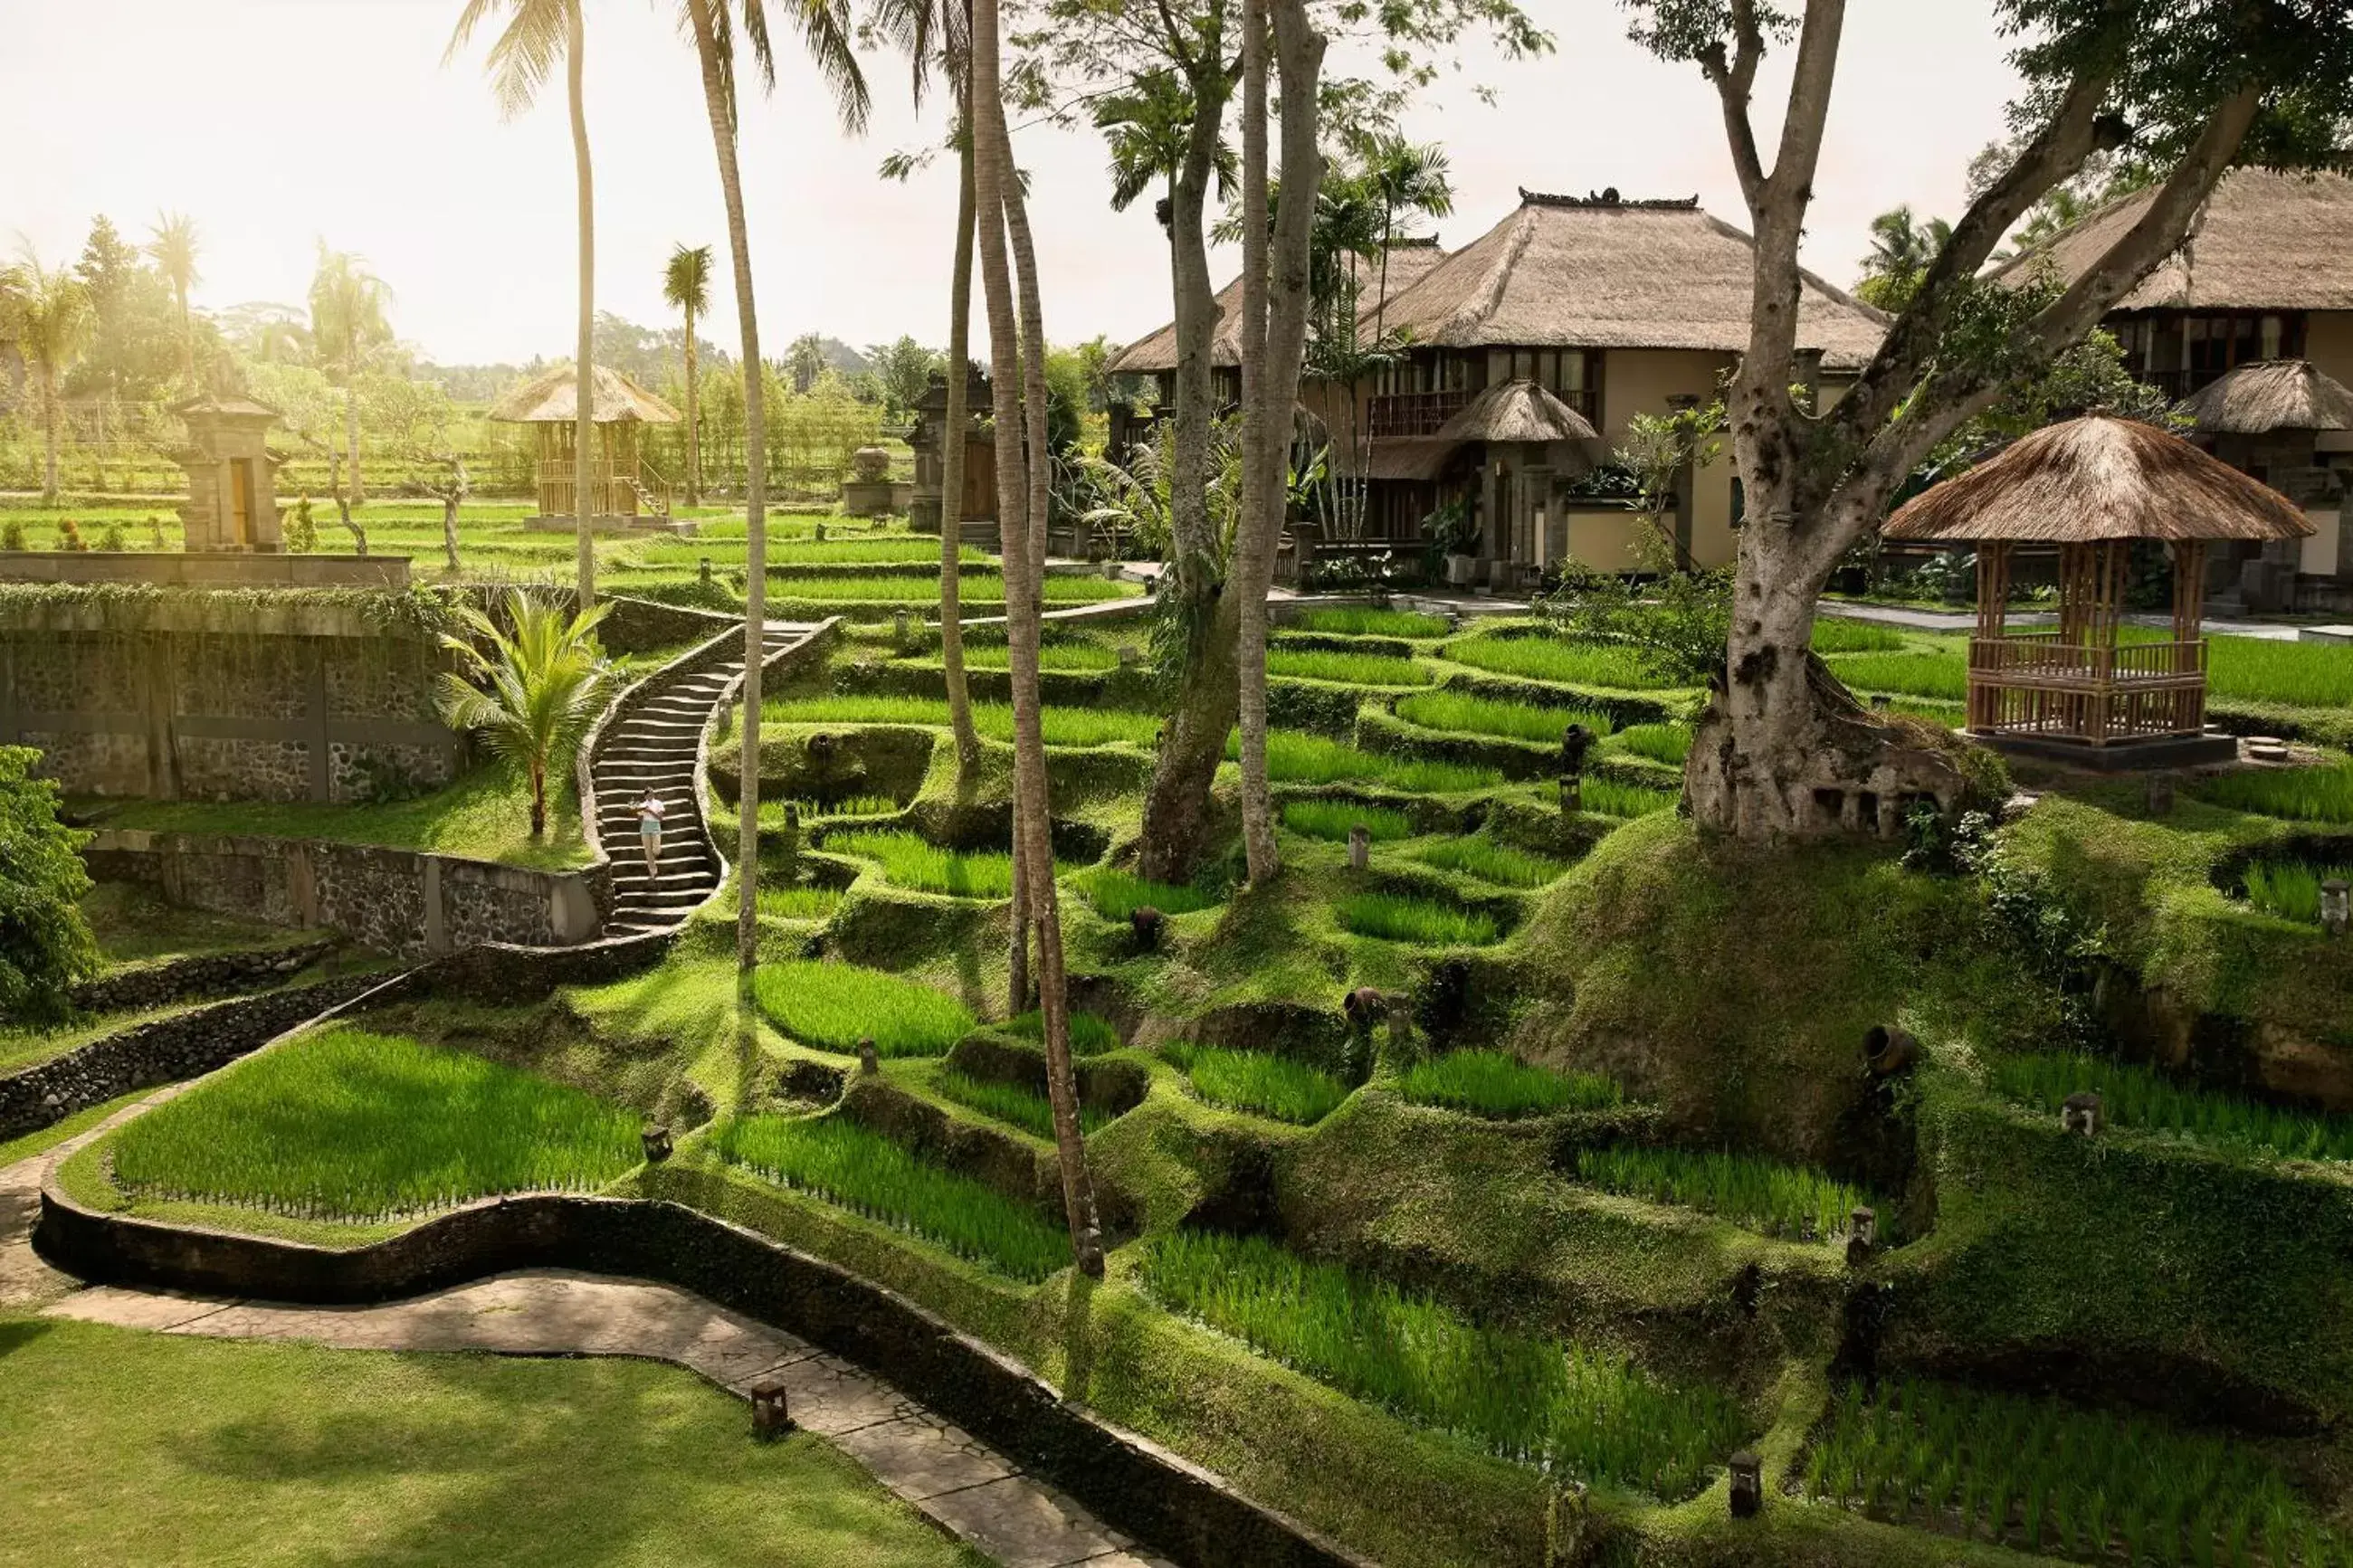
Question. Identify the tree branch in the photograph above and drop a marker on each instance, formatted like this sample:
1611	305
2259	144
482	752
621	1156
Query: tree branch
1735	80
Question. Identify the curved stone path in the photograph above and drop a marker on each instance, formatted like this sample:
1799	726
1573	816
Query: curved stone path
964	1485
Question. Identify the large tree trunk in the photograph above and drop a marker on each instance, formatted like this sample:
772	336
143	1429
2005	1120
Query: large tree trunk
952	474
1020	495
584	429
693	421
716	96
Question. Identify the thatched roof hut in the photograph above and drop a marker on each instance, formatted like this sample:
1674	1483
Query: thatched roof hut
1606	273
2271	395
1517	411
552	398
1409	258
2097	480
2266	240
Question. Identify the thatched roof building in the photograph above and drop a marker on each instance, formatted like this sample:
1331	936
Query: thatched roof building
1517	411
2266	240
2269	396
2097	480
1410	257
1606	273
552	398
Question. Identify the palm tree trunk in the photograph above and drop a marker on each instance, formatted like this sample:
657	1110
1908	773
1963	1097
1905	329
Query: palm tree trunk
539	797
584	429
716	96
48	433
952	475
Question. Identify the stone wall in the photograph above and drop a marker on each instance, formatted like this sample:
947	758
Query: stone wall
206	569
199	975
403	902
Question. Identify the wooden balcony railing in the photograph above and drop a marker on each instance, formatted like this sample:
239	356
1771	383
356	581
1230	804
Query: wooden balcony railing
2035	683
1415	413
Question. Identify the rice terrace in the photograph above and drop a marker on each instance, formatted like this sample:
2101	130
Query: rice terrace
1473	783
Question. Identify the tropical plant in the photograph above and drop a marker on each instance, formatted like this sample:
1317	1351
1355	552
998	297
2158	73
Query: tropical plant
686	285
45	944
529	690
48	311
348	326
1903	248
173	246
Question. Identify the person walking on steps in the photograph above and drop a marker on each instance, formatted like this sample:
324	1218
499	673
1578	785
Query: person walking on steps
650	830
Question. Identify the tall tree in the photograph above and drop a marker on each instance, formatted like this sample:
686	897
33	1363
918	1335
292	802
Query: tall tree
348	325
173	246
686	284
2192	84
825	29
1016	357
1902	248
806	359
521	59
48	312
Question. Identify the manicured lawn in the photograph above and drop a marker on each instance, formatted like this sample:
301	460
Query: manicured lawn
134	925
832	1007
289	1456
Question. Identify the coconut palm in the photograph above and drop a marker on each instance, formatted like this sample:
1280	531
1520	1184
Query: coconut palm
348	325
1403	178
805	358
1145	127
1903	248
686	284
173	246
529	690
827	31
48	311
537	33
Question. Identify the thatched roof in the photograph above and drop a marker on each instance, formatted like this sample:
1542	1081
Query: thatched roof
1517	411
1601	272
230	407
2271	395
1408	259
2099	478
552	398
2265	241
1421	458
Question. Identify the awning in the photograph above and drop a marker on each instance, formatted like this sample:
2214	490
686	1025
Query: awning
1417	457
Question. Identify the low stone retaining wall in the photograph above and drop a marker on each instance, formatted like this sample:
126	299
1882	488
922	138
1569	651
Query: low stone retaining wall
205	974
162	1051
404	901
1179	1508
204	569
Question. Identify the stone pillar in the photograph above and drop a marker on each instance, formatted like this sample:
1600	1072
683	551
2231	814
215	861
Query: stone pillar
437	924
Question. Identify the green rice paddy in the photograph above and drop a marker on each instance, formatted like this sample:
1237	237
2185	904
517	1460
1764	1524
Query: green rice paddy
1607	797
1551	658
1355	621
1090	1034
1669	744
2138	1097
1062	726
1294	756
1752	1193
1335	820
1498	1084
1839	635
1398	917
2297	795
911	860
798	903
830	1006
1116	895
1347	669
1467	714
1256	1081
1490	862
1065	657
1012	1104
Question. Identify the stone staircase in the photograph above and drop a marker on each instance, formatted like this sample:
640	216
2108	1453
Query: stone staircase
652	746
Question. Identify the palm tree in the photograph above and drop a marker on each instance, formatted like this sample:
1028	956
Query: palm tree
1903	248
520	62
686	284
806	359
49	313
826	31
1146	126
174	249
531	691
347	324
1403	178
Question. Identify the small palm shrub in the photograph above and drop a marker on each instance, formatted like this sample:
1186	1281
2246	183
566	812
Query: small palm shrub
529	689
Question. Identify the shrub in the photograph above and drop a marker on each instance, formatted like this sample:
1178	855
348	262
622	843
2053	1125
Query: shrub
1358	621
2138	1097
1607	797
112	540
2299	795
1496	1083
1347	669
832	1007
12	534
1752	1193
910	861
862	1171
1012	1103
1549	659
849	805
1335	819
69	536
351	1125
1395	917
1256	1081
1119	894
1491	861
1089	1033
1669	744
1487	716
45	944
1585	1414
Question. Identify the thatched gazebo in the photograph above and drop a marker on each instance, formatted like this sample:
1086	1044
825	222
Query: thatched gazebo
2093	487
2270	397
623	487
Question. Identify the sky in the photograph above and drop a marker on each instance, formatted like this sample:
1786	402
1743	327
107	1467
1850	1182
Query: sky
277	123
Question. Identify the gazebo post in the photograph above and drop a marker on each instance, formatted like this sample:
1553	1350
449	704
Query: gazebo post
2189	646
1993	625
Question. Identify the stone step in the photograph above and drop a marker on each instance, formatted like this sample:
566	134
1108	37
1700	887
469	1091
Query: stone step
630	890
637	765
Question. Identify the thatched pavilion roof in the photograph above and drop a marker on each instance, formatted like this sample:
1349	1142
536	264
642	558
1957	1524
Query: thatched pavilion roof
230	406
2266	240
1606	273
2099	478
1408	259
552	398
1517	411
2271	395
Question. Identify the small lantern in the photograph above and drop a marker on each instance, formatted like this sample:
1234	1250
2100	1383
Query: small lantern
1882	703
1363	1007
1575	742
820	534
770	1419
1748	1484
1572	794
899	626
2080	1112
1360	847
1400	1005
1886	1052
702	573
869	1063
2336	906
2160	794
1130	656
1146	922
1808	1230
1864	1223
656	1141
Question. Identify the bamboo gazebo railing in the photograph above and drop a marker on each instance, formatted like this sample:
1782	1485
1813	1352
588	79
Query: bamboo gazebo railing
2080	680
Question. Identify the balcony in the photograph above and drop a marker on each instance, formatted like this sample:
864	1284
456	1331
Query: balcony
1415	413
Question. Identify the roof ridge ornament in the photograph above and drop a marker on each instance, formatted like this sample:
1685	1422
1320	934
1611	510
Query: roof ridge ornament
1607	200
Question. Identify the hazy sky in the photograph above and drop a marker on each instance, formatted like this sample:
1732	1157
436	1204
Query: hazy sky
276	122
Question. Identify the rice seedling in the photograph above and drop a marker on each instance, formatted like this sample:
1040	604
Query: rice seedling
1492	862
1090	1034
1498	1084
1116	895
1669	744
1752	1193
1397	916
832	1006
1063	726
1347	669
1012	1103
1940	675
911	860
1467	714
1295	757
2139	1097
1255	1081
349	1125
1068	658
1551	658
1536	1401
2297	795
1607	797
971	587
1837	634
862	1171
2298	674
803	551
2040	1472
798	903
1358	621
1335	819
2291	890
